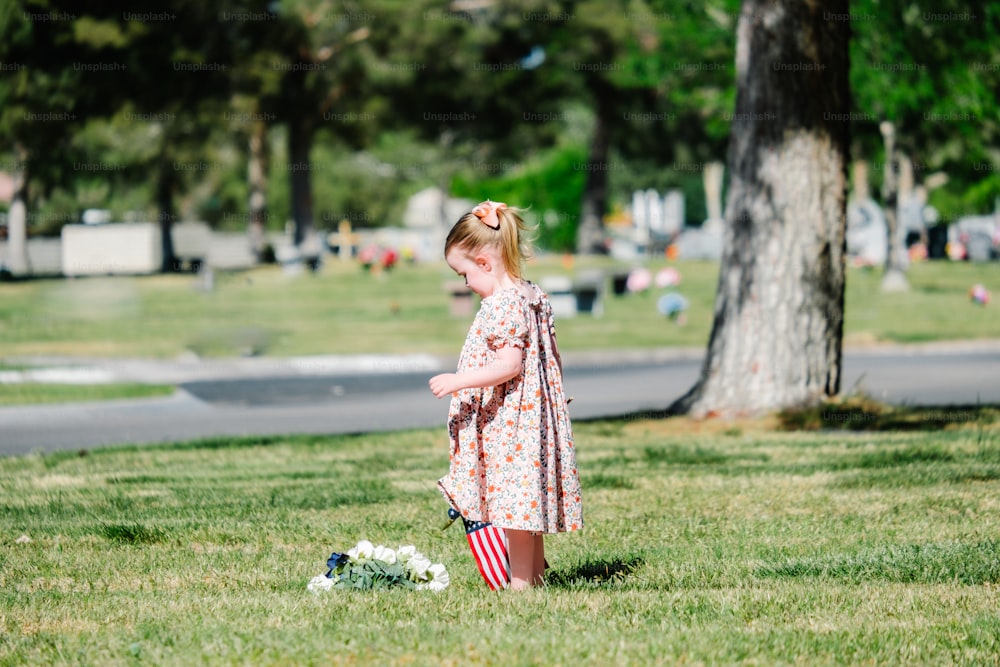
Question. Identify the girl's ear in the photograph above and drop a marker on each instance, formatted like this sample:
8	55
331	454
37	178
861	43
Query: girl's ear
483	261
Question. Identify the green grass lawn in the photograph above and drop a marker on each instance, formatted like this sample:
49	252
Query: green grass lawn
344	311
34	392
705	543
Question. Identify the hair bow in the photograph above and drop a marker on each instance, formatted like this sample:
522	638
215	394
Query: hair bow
487	213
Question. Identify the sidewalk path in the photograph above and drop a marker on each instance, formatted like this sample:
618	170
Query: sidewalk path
96	370
348	394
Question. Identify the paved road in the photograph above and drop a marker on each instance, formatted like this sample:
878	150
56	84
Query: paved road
349	402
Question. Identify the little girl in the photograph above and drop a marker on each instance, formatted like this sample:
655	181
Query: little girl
512	457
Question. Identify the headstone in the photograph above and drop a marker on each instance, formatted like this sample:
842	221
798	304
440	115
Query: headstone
232	250
312	249
560	291
911	216
116	248
431	208
44	256
191	243
712	178
588	289
205	281
624	249
345	240
703	242
911	203
867	240
289	257
859	180
640	218
655	205
640	213
424	209
429	214
977	234
460	302
673	212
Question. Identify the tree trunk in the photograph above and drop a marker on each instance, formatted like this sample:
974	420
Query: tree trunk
257	166
778	324
17	218
300	138
894	276
590	233
165	183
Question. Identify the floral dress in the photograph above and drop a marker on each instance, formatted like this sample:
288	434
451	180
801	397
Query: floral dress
513	462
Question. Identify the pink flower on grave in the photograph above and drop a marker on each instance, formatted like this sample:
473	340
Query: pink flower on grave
979	294
638	280
367	255
917	252
955	250
668	277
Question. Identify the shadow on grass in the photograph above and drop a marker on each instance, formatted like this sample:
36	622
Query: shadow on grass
594	573
863	413
854	412
607	481
616	421
130	533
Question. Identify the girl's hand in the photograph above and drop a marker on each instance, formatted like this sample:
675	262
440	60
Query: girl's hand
509	363
444	384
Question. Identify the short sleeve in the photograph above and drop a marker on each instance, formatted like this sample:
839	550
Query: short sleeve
505	325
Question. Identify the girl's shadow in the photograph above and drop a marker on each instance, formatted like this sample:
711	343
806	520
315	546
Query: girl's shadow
602	572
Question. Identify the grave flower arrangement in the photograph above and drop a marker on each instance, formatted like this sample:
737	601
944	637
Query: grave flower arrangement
371	567
979	294
673	306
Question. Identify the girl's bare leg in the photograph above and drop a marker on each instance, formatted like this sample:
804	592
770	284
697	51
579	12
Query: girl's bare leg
527	558
539	561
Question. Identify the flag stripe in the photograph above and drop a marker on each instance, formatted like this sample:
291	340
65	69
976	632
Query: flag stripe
498	543
489	547
499	546
489	564
494	538
482	560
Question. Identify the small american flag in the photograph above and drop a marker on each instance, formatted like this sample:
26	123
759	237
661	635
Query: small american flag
489	548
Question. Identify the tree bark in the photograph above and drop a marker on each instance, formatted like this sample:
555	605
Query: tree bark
300	138
17	218
257	166
894	275
590	233
778	323
166	181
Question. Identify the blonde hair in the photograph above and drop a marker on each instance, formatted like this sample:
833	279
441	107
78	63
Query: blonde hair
472	235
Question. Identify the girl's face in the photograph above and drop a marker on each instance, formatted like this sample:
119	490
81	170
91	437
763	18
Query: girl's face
477	270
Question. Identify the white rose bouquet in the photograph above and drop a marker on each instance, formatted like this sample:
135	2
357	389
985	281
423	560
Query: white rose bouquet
369	567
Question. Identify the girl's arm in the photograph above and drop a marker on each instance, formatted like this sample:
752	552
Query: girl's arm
555	350
508	364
